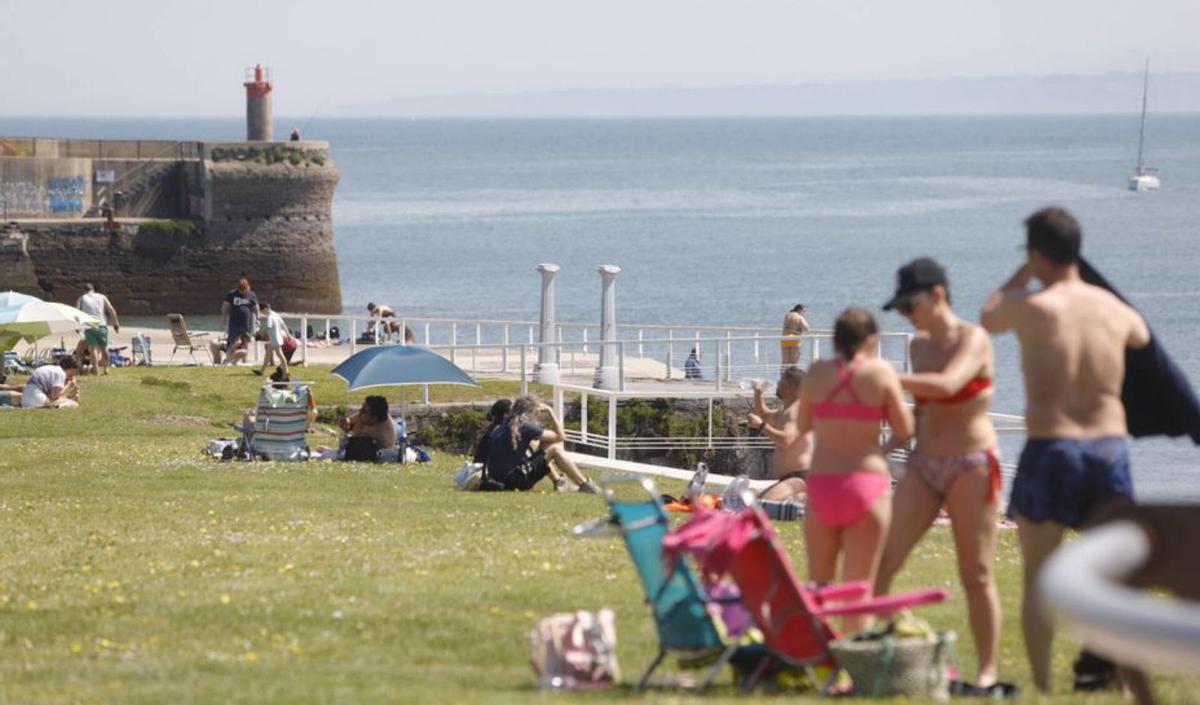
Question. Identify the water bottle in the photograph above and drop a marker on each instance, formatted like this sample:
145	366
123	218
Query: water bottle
696	487
731	498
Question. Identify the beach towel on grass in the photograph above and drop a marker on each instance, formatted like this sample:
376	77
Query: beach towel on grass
1159	400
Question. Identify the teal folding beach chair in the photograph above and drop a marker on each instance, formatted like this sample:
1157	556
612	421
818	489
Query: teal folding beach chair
679	603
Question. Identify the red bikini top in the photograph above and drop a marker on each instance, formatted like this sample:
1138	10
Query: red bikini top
853	410
970	390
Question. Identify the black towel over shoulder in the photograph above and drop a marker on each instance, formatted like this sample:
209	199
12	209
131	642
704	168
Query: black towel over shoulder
1159	399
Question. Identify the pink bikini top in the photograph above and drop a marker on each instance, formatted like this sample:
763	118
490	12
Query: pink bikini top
853	410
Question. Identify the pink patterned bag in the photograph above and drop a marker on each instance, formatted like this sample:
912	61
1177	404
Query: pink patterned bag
575	650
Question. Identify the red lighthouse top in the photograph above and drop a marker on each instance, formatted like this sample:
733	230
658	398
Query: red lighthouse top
258	81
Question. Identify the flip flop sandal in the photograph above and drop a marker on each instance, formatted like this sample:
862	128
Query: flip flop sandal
996	691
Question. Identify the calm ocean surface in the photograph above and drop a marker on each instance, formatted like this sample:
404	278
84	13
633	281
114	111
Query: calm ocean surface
734	221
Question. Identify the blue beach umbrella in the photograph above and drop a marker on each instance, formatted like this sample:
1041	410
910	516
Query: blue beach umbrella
391	365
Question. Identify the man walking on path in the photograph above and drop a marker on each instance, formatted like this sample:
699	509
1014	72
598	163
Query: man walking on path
96	304
794	326
1073	338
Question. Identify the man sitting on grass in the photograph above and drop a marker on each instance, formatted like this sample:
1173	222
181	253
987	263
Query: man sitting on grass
52	386
369	431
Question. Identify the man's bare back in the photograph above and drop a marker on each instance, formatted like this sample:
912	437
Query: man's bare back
1073	338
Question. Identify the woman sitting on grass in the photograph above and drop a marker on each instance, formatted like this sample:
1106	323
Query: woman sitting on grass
495	416
520	451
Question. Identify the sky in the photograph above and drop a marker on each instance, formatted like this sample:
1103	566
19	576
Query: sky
167	58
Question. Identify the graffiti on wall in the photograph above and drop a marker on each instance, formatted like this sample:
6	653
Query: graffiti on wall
21	197
66	193
59	195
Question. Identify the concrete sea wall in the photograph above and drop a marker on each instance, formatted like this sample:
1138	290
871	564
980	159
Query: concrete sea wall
228	210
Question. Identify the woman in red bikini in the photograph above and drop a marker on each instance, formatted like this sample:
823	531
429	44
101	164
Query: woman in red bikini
955	464
844	401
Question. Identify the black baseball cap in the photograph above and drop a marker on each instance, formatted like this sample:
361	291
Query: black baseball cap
918	275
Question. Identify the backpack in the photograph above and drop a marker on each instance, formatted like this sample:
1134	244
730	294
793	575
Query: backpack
575	650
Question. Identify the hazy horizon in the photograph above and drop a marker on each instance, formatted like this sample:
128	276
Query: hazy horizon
148	58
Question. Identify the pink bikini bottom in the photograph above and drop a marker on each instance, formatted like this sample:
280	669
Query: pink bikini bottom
838	500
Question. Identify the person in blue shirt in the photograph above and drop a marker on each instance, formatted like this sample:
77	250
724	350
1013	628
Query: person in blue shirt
520	451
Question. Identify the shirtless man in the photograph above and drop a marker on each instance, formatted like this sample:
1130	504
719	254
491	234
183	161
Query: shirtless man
793	450
370	430
793	326
1073	338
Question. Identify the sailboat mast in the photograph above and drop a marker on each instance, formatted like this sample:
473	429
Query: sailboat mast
1142	133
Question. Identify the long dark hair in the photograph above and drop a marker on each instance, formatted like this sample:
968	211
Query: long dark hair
522	413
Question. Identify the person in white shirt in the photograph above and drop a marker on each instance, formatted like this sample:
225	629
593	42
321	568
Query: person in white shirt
96	304
277	335
52	386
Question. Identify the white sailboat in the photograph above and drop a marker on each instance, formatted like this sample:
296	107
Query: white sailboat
1144	178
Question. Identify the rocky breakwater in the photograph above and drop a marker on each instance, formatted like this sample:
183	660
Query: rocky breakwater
262	211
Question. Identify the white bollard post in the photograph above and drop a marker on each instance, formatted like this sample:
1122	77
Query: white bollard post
453	341
546	370
607	375
353	335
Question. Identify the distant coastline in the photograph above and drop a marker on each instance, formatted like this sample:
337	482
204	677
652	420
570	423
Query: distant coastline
1114	93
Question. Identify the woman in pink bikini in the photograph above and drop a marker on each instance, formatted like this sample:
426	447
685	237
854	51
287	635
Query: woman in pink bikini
955	464
845	400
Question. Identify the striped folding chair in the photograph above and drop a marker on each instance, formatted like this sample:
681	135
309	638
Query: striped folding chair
280	422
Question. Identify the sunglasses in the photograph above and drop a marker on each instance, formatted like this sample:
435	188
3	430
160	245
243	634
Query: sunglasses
908	305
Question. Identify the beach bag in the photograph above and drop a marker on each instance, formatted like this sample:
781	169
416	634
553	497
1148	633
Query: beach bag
224	448
289	346
903	657
469	477
575	650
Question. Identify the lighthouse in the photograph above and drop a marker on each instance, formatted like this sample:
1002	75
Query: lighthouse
258	105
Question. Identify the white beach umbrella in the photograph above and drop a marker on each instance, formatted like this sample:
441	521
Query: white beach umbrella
36	319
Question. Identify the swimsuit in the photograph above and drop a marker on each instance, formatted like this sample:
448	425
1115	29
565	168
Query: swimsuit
970	390
941	472
1065	479
853	410
839	500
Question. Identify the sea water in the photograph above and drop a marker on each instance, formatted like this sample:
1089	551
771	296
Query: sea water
735	221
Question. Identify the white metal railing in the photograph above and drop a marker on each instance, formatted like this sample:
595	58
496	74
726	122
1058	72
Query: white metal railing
667	342
722	356
610	442
1081	581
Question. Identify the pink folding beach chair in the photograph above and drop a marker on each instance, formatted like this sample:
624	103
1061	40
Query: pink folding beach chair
794	619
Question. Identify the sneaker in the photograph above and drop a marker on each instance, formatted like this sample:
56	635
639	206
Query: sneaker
562	484
589	487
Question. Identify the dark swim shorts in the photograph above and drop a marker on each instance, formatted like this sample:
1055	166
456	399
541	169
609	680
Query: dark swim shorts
1064	480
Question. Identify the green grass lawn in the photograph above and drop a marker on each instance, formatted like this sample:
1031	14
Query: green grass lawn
135	570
